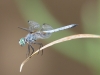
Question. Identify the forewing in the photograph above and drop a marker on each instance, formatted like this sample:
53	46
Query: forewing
33	26
45	27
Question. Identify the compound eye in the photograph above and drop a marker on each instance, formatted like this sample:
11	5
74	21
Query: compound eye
22	42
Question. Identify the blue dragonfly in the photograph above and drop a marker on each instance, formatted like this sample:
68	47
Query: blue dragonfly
35	33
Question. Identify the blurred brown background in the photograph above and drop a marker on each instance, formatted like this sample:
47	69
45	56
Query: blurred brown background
52	62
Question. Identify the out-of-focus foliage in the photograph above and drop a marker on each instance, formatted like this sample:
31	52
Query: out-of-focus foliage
91	24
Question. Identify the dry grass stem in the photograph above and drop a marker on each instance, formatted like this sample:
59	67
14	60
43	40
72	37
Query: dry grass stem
59	41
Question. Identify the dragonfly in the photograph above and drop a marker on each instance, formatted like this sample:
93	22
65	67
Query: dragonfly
36	32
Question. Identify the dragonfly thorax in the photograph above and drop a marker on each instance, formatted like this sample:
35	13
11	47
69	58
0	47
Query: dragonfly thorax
30	38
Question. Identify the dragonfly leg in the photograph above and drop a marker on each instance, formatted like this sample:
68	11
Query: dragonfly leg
28	52
32	49
41	45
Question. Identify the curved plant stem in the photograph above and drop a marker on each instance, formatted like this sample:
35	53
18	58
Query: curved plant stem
59	41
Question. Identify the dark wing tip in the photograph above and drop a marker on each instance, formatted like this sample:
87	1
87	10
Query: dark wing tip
44	23
19	27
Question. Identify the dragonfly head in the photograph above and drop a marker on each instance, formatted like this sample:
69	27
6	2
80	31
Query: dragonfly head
22	41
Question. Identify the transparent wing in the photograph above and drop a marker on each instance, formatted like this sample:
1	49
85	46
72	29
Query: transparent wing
43	35
46	27
33	26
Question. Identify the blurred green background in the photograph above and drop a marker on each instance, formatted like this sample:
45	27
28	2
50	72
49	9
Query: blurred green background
75	57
